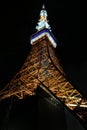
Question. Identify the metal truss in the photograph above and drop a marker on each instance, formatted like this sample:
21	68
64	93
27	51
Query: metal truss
42	68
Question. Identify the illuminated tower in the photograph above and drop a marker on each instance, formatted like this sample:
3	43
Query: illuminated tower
42	69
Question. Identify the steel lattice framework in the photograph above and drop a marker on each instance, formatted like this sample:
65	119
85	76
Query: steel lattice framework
42	69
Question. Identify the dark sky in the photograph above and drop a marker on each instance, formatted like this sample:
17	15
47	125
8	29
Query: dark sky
69	26
68	23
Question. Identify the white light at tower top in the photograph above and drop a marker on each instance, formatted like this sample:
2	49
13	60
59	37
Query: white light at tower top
43	22
43	6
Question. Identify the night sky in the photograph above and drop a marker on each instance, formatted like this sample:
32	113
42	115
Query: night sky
69	26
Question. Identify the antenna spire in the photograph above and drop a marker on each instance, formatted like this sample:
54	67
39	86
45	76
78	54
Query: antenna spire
43	22
43	7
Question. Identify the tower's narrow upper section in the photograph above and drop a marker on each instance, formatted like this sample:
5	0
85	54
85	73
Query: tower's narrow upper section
43	30
43	22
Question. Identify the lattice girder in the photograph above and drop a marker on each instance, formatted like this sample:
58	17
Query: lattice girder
43	67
